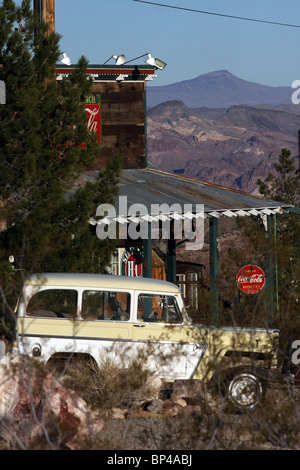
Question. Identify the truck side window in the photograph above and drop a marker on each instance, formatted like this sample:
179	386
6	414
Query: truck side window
103	305
59	303
158	308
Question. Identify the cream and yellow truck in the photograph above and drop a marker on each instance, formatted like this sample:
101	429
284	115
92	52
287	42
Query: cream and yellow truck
87	315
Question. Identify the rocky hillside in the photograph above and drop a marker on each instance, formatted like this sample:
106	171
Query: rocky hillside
231	146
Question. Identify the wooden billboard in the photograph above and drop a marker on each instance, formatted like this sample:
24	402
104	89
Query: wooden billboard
122	123
120	94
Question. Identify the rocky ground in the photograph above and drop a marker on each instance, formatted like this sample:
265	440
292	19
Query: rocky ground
38	412
191	425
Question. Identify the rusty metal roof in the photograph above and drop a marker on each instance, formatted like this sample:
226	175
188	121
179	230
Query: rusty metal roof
149	186
154	187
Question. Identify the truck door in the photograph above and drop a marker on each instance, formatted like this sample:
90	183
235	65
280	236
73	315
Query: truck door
160	335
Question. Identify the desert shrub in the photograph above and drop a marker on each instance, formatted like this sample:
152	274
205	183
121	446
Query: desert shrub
121	381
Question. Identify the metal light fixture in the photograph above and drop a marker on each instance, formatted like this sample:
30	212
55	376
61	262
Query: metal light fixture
150	60
65	59
157	63
120	59
121	77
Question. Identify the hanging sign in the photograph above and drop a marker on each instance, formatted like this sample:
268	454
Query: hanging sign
250	279
132	264
92	109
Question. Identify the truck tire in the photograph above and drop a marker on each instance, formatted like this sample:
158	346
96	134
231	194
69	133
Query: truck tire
245	391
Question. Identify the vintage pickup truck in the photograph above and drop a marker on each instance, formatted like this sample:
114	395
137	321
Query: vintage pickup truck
63	315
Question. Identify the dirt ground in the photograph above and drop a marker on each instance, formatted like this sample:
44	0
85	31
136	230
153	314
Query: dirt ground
274	426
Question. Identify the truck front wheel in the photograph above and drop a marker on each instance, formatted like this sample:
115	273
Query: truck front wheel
245	391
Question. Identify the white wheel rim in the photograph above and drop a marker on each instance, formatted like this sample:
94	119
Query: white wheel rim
245	390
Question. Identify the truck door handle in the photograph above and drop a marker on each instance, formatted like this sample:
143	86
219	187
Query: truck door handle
139	326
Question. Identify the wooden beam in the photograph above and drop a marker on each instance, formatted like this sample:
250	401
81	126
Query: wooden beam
213	269
147	247
269	268
171	255
48	13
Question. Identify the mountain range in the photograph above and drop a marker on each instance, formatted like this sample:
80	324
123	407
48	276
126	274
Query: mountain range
219	89
220	129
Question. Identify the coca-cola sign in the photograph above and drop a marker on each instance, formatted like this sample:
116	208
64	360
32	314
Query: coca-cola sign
93	113
250	279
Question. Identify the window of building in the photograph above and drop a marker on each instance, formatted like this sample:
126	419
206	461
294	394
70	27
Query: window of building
180	278
114	263
193	290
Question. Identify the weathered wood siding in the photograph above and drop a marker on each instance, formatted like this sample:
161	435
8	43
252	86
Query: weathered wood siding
123	123
158	267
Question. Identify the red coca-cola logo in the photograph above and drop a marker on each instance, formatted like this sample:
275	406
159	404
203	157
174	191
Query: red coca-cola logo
250	279
94	119
92	109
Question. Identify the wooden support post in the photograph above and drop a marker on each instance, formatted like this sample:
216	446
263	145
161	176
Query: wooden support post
145	121
171	256
213	269
269	267
147	247
48	13
147	270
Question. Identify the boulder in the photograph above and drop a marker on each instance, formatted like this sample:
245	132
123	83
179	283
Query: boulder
195	392
193	389
33	405
155	406
117	413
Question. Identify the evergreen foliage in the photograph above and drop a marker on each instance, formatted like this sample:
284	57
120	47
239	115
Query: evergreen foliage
44	222
284	186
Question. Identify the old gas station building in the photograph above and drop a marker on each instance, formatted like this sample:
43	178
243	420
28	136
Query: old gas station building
116	111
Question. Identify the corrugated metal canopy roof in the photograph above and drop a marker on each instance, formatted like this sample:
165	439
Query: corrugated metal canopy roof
148	187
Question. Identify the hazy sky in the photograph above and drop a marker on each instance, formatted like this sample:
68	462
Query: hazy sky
191	43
